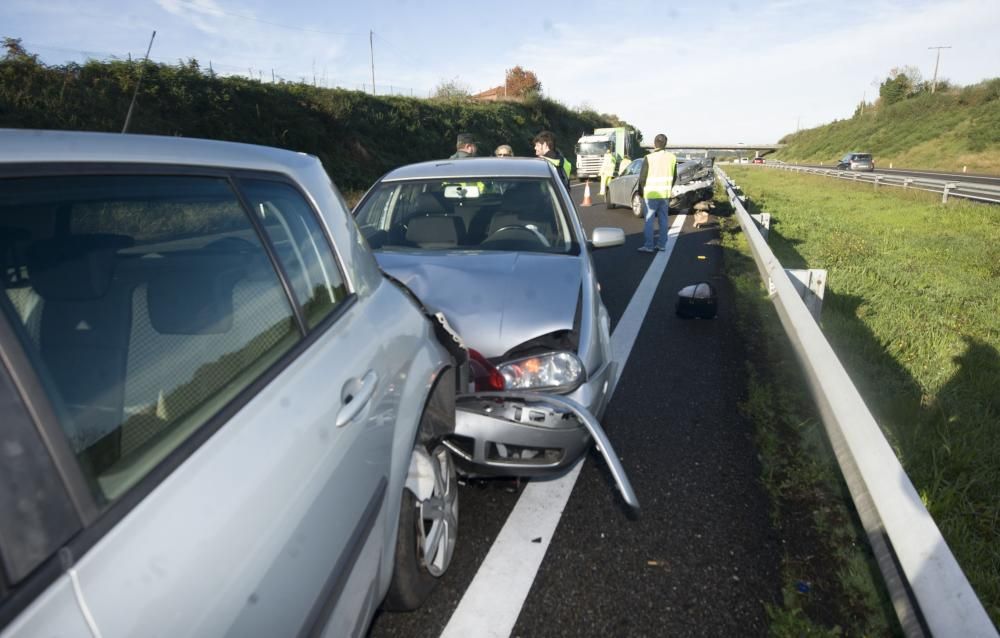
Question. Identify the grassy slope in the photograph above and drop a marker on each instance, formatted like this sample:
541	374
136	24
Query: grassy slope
944	131
912	309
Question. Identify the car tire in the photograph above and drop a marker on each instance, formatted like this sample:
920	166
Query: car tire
637	205
607	199
420	561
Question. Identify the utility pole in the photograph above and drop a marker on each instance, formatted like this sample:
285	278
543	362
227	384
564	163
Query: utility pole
128	116
938	59
371	52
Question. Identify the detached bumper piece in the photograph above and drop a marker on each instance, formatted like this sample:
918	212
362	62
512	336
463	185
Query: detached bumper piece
528	434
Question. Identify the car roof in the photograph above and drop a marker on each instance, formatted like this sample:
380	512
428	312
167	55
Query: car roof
22	146
472	167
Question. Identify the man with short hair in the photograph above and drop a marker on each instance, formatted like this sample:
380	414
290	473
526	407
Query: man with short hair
656	182
465	146
545	148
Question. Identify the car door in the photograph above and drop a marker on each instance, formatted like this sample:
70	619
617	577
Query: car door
229	396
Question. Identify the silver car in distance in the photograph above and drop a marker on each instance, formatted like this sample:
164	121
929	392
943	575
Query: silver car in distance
219	418
496	246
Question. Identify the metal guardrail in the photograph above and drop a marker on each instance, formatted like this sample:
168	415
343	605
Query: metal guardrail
929	591
947	187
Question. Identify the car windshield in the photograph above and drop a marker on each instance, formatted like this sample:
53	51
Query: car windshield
592	148
470	213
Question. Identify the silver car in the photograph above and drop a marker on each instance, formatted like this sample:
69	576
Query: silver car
694	182
497	246
219	417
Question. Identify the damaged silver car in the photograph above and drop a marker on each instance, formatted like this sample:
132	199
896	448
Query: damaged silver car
497	247
219	416
695	180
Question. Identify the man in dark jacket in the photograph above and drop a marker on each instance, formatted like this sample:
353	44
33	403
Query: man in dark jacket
465	146
545	147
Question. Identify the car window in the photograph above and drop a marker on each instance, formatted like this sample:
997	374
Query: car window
146	303
301	245
473	213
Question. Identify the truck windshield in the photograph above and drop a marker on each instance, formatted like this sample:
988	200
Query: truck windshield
591	148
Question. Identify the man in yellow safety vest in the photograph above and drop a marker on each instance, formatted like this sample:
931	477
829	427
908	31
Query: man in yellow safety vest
607	169
545	148
656	182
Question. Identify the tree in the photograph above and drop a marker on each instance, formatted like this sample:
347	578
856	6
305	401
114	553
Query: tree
451	89
15	51
903	82
522	83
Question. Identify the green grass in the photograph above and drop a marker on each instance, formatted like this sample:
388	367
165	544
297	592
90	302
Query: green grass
947	130
912	309
830	583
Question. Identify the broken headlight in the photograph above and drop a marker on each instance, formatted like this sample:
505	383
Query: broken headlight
556	372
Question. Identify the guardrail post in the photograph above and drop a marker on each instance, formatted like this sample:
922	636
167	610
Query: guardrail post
877	178
907	181
810	284
763	223
947	187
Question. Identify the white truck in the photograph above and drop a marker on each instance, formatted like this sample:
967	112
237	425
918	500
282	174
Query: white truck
590	149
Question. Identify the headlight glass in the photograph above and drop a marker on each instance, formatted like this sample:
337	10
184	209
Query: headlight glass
557	371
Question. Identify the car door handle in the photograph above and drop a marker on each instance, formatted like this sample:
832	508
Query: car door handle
355	396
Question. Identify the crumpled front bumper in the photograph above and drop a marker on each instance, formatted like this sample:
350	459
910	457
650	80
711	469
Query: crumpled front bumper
528	434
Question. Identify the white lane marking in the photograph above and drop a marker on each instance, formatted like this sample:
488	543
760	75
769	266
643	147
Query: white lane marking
493	601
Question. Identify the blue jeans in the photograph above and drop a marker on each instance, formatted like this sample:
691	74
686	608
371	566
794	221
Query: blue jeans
658	208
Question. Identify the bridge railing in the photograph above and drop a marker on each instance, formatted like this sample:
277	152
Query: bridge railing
947	187
929	591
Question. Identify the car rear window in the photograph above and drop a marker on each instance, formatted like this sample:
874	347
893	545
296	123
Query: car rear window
146	303
472	213
862	157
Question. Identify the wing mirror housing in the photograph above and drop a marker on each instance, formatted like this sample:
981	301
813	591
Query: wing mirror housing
605	237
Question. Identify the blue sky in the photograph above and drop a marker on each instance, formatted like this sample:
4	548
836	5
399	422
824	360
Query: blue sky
698	71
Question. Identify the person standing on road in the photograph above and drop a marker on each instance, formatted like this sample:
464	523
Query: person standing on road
465	146
545	147
656	181
607	171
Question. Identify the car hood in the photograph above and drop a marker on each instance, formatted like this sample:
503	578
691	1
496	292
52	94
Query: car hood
494	300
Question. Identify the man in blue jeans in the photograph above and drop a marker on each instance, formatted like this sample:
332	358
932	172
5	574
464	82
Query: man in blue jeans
656	182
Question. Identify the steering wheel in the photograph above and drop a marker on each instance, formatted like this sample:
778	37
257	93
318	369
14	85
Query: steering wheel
531	228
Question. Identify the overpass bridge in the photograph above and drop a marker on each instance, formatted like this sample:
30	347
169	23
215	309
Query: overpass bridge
738	148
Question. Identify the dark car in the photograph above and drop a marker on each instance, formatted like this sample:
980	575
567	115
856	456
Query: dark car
856	162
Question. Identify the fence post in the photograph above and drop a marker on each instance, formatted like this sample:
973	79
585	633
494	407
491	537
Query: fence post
947	187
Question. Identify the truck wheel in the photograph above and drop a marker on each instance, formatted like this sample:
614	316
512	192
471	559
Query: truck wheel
428	530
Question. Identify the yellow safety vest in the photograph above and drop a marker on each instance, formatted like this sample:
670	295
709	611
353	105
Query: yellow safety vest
566	166
608	165
660	174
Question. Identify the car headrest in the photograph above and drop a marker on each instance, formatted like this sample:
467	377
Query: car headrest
435	231
75	267
522	198
193	294
428	204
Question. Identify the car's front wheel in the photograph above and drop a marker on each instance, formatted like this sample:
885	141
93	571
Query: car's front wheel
637	205
428	527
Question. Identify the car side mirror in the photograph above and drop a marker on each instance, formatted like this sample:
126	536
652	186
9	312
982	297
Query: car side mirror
605	237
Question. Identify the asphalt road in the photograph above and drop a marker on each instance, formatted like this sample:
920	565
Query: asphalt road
701	559
972	178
